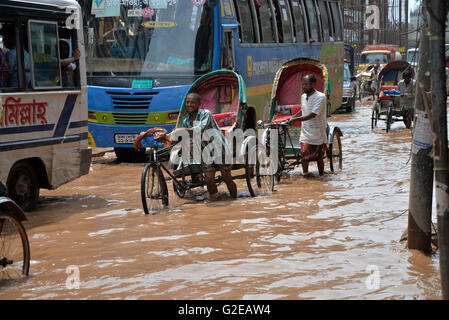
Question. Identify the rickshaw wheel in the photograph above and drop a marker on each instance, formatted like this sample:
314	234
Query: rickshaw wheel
250	173
374	119
264	177
389	118
335	151
153	189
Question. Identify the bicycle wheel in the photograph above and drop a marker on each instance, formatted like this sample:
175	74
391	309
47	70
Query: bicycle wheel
153	189
14	248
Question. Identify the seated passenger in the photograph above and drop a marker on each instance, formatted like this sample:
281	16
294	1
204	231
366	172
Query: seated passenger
67	63
9	40
201	120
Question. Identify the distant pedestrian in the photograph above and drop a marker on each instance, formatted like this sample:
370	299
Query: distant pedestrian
407	88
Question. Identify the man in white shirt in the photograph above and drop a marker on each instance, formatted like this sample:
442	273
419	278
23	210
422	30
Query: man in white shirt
313	132
407	87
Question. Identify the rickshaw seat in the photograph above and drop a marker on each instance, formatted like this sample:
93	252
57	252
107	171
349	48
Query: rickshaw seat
382	95
225	119
285	112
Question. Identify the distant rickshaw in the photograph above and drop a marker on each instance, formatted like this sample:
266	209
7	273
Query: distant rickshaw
387	103
285	102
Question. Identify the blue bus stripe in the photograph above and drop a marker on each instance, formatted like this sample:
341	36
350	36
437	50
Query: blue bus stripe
78	124
66	113
44	127
25	144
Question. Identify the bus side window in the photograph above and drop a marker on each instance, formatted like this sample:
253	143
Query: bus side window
14	49
314	27
69	58
283	18
266	21
298	15
45	68
335	9
245	19
324	21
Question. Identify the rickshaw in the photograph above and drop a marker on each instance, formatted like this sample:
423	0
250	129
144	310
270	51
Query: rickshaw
387	103
365	83
223	92
285	99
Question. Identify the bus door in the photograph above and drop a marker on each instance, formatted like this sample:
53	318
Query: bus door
228	50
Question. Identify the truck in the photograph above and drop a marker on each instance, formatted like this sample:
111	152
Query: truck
386	53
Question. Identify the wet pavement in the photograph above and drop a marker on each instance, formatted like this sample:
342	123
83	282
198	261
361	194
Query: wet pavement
315	238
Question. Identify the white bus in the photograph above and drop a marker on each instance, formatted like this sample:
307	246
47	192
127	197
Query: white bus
43	97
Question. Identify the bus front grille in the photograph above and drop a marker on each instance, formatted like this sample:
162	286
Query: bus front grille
131	100
130	118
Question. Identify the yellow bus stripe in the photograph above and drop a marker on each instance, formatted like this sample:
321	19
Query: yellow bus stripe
232	8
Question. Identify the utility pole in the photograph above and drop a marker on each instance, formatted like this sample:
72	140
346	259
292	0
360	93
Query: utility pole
421	180
406	26
438	12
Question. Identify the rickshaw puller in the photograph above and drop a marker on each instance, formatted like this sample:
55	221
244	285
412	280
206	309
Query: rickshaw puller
407	88
313	132
201	120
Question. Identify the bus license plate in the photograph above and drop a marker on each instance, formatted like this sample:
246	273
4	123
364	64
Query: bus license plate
125	138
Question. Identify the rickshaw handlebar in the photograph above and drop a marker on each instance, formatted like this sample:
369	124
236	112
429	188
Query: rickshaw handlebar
272	125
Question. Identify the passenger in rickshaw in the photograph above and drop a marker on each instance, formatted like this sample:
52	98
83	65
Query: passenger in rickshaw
313	132
196	119
407	88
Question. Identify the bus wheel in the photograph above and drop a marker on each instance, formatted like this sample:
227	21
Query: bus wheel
129	155
23	186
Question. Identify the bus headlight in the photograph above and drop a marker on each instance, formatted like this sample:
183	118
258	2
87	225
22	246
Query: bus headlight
91	116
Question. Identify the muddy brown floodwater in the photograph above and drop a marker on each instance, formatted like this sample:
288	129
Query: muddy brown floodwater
315	238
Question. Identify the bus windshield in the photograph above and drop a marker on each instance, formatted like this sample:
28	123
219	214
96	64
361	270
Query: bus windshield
128	38
370	58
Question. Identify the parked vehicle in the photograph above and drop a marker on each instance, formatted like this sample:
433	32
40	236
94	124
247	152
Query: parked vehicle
349	90
385	53
412	57
138	72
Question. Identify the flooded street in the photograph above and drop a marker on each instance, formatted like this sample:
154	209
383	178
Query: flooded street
315	238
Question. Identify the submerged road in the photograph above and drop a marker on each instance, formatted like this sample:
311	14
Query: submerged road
331	237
